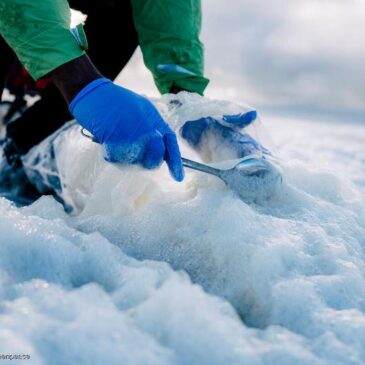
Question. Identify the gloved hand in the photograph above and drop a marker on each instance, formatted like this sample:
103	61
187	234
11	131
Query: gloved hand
128	126
225	133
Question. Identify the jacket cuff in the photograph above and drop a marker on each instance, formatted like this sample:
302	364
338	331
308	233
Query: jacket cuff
54	47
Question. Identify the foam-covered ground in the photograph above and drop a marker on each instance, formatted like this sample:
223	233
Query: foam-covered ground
155	272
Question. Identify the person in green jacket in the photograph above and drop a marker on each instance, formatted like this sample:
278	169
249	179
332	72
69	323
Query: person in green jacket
126	124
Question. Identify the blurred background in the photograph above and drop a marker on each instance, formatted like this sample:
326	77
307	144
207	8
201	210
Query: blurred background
303	57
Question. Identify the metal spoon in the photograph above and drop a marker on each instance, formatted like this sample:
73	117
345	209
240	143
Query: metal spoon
253	179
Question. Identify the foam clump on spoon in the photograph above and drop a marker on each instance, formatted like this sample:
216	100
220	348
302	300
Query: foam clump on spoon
254	180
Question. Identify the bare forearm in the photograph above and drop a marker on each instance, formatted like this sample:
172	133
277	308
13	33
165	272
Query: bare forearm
73	76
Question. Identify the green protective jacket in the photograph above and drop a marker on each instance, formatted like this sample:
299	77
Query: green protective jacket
168	30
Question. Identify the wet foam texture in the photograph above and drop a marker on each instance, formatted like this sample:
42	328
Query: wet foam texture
150	271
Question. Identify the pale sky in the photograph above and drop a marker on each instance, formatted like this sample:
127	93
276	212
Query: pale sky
302	54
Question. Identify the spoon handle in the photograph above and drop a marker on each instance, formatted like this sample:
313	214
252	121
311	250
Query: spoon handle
200	167
186	162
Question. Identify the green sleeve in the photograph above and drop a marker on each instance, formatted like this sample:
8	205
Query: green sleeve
39	33
168	32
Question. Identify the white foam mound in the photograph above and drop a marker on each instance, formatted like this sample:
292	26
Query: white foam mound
154	272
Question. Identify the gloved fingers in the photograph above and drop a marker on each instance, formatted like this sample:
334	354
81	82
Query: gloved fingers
193	131
173	157
226	128
241	120
123	153
154	152
242	143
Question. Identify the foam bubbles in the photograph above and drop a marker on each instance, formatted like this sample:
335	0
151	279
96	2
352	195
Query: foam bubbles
187	273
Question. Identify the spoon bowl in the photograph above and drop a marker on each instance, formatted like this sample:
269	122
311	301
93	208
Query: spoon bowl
253	179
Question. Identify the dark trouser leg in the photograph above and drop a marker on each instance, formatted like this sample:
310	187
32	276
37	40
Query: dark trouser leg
111	33
112	39
7	57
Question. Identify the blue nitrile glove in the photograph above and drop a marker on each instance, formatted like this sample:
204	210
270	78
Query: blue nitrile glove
228	129
128	126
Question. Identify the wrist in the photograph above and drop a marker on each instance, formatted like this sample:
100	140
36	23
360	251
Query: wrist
73	76
86	90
